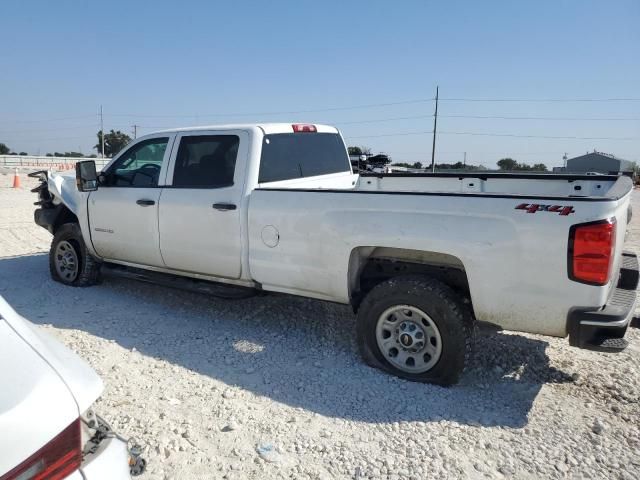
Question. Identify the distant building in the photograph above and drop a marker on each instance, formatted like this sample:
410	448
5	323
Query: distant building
600	163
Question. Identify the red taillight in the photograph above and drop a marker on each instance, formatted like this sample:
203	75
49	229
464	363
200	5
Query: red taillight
591	247
299	127
56	460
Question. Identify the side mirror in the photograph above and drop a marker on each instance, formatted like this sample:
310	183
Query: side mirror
86	176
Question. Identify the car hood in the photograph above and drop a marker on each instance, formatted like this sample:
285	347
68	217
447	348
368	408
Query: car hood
81	380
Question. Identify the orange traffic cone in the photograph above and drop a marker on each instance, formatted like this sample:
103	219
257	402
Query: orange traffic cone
16	179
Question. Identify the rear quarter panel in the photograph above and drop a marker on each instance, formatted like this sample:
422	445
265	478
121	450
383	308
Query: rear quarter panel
515	261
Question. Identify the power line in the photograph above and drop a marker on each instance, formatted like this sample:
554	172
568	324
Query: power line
500	117
350	107
48	120
359	122
291	112
55	129
376	120
386	104
541	100
560	137
398	134
61	138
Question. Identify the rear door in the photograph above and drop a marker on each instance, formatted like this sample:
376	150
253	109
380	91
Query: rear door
199	213
123	212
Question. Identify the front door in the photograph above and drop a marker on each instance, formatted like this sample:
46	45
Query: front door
200	205
123	212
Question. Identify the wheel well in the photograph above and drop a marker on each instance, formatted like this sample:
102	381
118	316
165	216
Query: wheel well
64	216
370	266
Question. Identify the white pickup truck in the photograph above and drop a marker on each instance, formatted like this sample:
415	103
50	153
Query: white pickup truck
276	207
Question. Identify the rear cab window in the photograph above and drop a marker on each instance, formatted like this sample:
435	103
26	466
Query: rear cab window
287	156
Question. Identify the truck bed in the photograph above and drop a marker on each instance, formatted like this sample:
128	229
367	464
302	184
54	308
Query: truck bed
512	245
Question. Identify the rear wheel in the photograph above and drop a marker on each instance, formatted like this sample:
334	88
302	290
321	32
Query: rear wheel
416	328
69	261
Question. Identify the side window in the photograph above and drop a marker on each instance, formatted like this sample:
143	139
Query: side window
139	166
206	161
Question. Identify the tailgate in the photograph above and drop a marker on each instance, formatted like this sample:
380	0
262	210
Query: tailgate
622	214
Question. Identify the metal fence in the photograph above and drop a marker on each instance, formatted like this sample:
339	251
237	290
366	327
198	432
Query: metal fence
48	163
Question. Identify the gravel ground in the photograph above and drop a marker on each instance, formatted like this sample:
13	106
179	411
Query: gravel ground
272	386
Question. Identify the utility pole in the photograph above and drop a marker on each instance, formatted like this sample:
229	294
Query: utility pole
464	162
101	132
435	126
135	131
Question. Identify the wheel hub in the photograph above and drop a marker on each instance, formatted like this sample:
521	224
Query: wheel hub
408	338
66	261
411	336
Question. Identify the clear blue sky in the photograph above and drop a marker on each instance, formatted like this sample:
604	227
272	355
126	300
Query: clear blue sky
164	64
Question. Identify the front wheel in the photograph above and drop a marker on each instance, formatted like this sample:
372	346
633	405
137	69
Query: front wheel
69	261
416	328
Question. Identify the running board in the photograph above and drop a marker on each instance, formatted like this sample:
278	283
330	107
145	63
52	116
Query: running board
221	290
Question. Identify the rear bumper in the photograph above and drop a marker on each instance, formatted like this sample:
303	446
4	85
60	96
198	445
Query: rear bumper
110	462
603	329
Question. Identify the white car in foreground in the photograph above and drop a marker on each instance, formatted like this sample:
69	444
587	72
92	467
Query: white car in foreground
47	430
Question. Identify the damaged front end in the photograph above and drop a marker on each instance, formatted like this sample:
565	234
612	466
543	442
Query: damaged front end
58	200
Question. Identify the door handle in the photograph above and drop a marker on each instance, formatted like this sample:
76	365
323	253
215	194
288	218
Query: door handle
146	203
224	206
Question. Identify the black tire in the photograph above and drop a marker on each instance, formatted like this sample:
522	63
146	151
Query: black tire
87	272
446	310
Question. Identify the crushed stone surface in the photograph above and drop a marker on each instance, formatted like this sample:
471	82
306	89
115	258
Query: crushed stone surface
272	387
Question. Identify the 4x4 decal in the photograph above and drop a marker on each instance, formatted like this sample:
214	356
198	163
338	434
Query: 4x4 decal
534	207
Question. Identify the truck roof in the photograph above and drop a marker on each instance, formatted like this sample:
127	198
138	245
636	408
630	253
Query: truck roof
267	128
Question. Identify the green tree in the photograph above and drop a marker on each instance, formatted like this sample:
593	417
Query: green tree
114	141
507	164
359	150
4	150
23	154
539	167
417	165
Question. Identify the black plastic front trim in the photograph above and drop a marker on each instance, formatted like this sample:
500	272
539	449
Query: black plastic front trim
46	217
